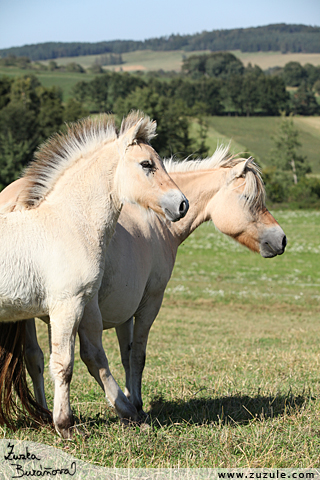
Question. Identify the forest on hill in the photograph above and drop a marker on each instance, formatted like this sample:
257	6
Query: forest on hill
215	84
277	37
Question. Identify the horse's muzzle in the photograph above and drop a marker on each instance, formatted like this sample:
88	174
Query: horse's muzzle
174	205
273	242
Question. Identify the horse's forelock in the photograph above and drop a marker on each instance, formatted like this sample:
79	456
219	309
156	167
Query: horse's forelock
254	190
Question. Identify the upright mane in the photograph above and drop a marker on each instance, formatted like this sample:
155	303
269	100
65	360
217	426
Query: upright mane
254	193
63	150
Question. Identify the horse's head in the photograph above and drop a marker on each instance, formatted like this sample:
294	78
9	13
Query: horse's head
238	210
141	175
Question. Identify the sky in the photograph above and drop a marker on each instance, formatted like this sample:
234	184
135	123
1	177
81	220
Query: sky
25	22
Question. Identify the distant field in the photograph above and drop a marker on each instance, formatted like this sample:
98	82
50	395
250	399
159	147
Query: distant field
147	60
64	80
254	135
266	60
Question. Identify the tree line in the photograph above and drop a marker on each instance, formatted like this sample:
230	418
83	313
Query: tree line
217	84
277	37
29	114
252	91
288	176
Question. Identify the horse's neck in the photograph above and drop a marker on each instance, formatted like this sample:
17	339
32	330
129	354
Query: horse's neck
199	187
87	196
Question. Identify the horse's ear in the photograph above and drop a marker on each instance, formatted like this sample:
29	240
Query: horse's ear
143	130
130	136
239	169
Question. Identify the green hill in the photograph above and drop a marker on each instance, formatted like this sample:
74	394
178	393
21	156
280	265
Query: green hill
277	37
254	135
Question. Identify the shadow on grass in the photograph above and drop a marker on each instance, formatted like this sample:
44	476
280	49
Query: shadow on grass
230	410
235	409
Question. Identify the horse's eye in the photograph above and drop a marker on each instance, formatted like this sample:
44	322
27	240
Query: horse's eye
147	164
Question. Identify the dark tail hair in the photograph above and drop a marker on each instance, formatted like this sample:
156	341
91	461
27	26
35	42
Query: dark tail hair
13	377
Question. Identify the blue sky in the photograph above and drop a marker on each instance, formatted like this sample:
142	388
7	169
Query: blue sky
34	21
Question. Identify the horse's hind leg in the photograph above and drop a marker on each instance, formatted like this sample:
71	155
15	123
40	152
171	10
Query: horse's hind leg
64	319
125	336
92	353
144	319
35	362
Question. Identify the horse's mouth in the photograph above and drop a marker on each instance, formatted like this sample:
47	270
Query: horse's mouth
170	216
273	242
268	251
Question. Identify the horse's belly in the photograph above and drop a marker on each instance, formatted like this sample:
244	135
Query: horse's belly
117	309
13	310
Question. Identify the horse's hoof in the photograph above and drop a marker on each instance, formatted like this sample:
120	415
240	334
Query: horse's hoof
127	413
70	433
141	426
126	422
143	416
65	433
65	427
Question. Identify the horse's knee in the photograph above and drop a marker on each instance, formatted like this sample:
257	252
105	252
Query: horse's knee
94	358
61	369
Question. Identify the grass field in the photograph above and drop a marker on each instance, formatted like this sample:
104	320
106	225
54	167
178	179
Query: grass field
255	135
232	377
64	80
148	60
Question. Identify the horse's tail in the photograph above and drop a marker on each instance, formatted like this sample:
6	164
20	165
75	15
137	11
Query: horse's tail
13	377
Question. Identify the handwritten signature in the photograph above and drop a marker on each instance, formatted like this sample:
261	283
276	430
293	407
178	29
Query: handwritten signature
39	471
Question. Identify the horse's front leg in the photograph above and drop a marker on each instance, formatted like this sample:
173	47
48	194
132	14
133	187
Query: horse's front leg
125	338
35	362
92	353
64	319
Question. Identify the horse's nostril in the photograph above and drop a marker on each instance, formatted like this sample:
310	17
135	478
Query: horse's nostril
284	242
183	207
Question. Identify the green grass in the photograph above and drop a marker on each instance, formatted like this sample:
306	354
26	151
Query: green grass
65	80
255	134
148	60
232	377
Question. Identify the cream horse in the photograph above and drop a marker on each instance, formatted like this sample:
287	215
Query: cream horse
142	252
53	246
